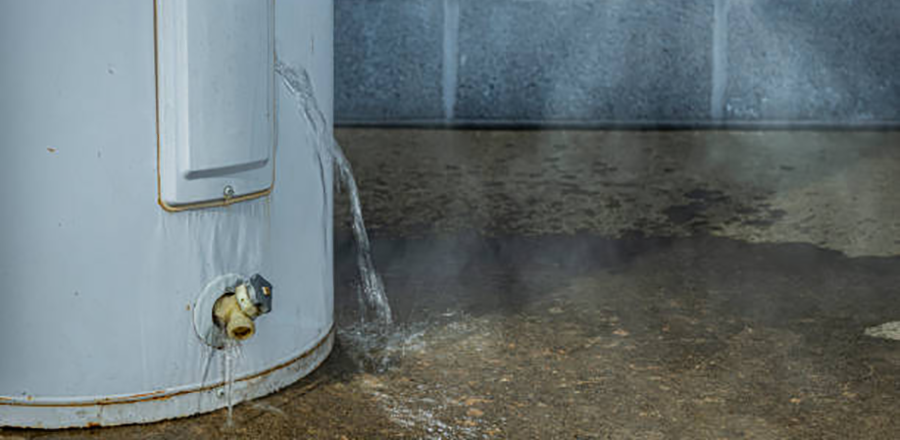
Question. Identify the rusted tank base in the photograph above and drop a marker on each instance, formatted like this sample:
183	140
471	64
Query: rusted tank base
153	407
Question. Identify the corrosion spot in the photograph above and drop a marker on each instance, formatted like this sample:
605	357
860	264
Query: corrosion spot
51	149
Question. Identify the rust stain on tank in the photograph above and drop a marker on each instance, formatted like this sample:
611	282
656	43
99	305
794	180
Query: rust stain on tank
162	395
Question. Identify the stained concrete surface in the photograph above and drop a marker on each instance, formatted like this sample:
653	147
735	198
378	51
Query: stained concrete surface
606	285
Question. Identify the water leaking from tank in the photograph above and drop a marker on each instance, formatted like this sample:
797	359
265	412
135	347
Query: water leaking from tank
231	354
375	311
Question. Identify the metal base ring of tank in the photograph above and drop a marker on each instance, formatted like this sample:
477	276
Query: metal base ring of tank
152	407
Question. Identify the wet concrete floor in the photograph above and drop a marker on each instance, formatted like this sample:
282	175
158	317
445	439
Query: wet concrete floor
606	285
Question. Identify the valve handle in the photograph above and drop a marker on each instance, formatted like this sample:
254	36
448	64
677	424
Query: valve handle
261	293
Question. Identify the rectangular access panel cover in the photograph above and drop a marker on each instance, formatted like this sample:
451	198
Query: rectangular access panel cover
215	100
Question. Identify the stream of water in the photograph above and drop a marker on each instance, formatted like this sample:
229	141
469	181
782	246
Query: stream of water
375	311
232	353
374	306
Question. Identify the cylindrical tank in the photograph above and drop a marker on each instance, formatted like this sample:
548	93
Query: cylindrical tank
153	163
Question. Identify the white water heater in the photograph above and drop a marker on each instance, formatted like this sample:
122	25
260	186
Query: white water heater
155	166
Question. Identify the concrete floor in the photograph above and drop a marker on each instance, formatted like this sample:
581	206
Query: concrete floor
607	285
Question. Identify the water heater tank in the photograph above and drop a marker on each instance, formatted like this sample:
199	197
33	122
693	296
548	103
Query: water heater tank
154	165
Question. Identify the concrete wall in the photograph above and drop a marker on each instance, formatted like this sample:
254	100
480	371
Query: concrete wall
645	62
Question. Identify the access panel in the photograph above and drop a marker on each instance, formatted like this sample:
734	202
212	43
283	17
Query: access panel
215	100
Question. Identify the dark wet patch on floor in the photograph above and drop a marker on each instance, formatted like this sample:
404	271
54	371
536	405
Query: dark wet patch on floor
708	208
644	337
695	214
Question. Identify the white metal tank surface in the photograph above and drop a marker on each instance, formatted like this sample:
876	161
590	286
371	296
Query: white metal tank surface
149	170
